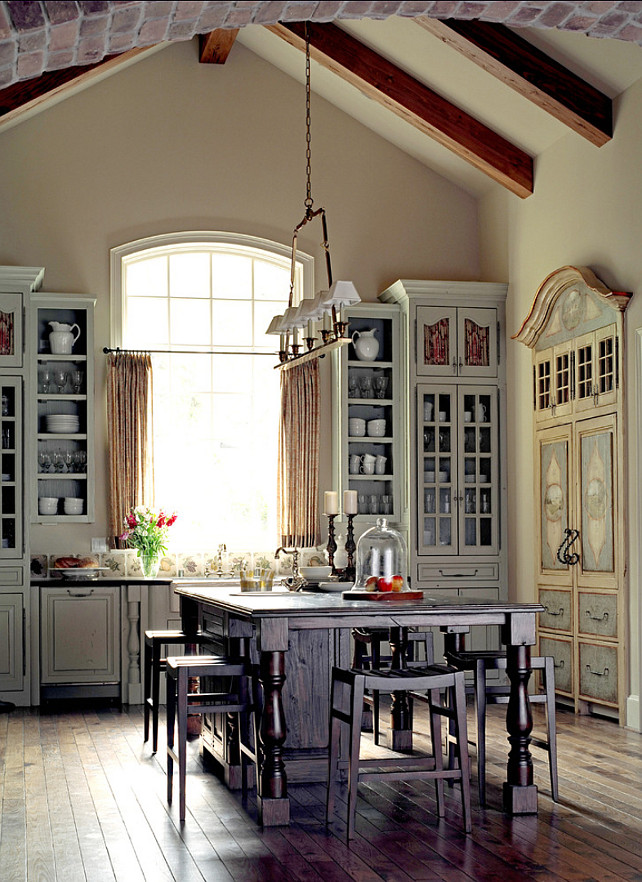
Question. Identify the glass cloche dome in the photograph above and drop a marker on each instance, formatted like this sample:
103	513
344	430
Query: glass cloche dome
381	560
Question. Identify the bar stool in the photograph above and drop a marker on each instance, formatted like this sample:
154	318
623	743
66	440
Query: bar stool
154	665
238	703
417	642
346	703
486	693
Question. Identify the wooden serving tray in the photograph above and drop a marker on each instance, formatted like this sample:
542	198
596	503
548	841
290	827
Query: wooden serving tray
383	595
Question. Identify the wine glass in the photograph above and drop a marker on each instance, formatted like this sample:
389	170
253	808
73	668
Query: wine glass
44	461
45	379
76	379
61	380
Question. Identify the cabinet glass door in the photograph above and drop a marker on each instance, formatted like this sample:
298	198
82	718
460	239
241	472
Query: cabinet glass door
478	491
437	341
437	473
11	494
10	330
477	342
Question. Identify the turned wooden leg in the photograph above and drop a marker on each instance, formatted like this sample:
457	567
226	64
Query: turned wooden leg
400	733
520	794
273	802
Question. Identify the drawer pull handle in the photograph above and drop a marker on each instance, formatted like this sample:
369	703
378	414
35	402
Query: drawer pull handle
564	554
551	612
559	664
458	575
603	618
80	593
603	673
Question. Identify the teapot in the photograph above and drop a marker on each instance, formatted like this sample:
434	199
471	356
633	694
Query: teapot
62	338
366	344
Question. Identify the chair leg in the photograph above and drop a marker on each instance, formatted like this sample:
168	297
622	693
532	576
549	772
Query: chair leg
480	712
156	657
147	687
171	724
376	719
459	690
437	749
333	753
356	703
549	686
181	702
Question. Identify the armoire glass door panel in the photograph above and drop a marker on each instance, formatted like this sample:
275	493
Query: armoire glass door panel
543	385
478	489
437	474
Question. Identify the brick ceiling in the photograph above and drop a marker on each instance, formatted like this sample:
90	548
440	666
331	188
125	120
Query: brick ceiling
54	34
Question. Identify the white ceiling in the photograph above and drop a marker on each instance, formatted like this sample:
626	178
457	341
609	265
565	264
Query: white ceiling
609	65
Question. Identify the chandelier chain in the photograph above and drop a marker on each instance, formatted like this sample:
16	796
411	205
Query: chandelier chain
308	138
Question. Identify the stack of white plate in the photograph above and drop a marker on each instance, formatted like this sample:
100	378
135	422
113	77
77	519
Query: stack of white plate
63	423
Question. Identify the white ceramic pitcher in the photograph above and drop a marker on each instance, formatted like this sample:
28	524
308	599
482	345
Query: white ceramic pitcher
366	344
62	338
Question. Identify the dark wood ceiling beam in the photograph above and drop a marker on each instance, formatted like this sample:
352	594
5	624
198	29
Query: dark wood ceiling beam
414	102
531	72
216	46
24	95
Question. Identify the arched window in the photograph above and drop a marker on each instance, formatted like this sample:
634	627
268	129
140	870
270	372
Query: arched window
204	300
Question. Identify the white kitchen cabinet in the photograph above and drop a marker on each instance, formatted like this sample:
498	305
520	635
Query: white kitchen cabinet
62	458
80	632
575	331
12	649
456	341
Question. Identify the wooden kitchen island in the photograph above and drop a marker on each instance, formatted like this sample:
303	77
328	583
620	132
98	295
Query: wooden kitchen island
296	638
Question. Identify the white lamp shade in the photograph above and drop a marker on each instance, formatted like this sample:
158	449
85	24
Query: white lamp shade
275	325
344	294
292	319
320	305
307	310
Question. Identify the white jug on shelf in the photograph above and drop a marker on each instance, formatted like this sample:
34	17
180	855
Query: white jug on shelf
365	344
62	338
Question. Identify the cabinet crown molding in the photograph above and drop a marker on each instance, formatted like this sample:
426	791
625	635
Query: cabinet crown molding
551	289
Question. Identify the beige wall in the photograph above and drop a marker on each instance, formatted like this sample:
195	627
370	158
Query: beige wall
586	210
170	144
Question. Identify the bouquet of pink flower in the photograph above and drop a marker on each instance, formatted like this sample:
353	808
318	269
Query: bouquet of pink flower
147	531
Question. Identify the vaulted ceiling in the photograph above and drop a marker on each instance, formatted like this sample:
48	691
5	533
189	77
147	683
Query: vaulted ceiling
475	90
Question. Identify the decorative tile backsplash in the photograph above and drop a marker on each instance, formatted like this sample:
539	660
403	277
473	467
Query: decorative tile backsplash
126	563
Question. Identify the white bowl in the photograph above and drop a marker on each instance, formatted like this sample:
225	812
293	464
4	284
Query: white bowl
312	574
48	505
376	428
469	479
356	427
72	505
443	476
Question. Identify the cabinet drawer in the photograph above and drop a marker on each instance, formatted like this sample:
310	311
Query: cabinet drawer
597	614
557	610
562	652
433	572
11	576
598	672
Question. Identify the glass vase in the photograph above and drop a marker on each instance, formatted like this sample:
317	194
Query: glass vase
149	564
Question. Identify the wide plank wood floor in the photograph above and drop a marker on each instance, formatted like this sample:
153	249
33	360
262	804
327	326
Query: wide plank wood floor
83	799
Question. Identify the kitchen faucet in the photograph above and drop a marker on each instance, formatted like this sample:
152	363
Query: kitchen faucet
219	571
296	581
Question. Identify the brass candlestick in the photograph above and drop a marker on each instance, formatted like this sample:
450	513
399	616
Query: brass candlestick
350	550
332	545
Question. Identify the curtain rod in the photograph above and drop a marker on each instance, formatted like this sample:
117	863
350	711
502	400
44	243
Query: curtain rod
107	350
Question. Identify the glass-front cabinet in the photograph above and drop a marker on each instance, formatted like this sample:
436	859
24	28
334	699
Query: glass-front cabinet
62	384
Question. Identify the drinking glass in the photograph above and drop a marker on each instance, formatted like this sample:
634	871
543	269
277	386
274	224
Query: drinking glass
44	461
373	504
366	387
59	462
353	386
380	386
386	503
69	460
61	380
362	503
45	379
81	459
76	380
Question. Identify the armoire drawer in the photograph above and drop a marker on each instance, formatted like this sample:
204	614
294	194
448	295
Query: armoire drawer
435	571
558	610
562	652
597	614
598	672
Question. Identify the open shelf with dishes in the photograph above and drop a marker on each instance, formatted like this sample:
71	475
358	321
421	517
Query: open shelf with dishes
62	384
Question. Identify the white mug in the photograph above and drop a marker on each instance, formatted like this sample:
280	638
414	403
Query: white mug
354	463
427	411
442	416
467	416
481	413
367	464
380	465
356	427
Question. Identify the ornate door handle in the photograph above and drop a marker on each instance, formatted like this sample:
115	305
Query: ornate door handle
564	555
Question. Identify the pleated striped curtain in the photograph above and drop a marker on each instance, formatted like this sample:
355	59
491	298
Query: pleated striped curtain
298	474
129	419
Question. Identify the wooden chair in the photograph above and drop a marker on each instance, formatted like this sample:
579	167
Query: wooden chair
154	664
367	655
346	704
488	693
236	701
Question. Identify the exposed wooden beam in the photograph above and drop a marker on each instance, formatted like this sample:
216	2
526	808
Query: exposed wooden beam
530	72
215	46
26	95
414	102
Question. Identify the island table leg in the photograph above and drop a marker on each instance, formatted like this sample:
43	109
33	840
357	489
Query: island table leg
272	785
520	794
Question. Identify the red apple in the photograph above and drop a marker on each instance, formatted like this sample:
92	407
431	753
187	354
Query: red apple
397	583
371	583
384	584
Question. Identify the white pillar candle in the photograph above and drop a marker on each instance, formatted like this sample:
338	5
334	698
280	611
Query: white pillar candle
350	502
331	502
